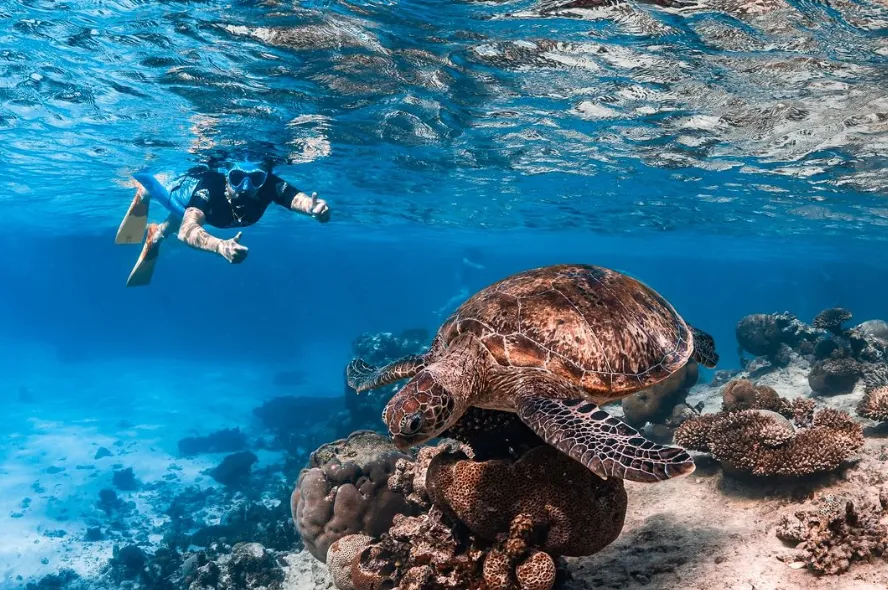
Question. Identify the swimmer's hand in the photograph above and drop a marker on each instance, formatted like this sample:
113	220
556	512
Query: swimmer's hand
232	251
319	208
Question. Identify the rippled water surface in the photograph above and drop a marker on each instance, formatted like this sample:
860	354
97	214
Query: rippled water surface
718	116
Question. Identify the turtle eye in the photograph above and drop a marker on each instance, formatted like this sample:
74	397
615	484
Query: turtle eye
411	424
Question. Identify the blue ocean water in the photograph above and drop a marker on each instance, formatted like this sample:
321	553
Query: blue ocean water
731	154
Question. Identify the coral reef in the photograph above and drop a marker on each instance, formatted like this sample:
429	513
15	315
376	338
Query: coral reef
227	440
764	334
488	524
838	357
834	376
840	532
234	470
831	319
742	394
874	404
571	511
772	436
344	490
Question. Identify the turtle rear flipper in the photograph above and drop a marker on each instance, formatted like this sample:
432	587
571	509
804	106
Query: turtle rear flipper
362	376
605	445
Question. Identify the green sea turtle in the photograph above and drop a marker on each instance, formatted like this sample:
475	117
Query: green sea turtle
549	344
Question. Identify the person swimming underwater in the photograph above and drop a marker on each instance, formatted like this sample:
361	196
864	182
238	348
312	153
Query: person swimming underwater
236	195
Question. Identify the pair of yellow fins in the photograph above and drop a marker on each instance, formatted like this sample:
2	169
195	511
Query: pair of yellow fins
131	231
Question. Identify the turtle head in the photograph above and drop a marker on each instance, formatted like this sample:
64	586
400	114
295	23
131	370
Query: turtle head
420	411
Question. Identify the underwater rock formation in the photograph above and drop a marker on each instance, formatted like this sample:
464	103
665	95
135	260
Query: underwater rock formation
840	532
488	524
831	319
764	334
834	376
772	436
234	470
344	490
227	440
874	404
656	404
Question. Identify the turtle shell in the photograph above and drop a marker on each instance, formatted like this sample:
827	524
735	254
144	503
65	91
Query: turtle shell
596	327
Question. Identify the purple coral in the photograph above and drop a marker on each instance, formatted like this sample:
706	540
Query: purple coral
345	491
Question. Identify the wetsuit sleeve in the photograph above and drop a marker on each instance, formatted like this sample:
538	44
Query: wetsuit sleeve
283	192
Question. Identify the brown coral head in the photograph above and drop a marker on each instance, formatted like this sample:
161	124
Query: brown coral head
832	319
874	404
420	411
738	394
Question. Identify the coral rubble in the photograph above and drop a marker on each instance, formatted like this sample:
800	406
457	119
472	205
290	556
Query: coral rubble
840	532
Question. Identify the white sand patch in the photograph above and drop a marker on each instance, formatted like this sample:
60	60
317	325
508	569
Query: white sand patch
49	477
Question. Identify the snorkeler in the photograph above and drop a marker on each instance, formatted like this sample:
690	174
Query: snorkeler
235	196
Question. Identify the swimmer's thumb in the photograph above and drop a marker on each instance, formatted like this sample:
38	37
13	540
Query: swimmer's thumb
237	237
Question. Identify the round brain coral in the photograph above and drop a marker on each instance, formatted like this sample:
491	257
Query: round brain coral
572	511
344	491
874	404
765	443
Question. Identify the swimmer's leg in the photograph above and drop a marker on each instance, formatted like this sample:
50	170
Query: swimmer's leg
157	233
132	228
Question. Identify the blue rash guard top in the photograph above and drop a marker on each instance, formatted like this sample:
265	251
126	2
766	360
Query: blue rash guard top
209	197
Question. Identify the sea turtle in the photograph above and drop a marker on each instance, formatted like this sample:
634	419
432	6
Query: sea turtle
549	344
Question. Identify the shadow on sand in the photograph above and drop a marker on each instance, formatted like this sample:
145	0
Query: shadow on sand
650	556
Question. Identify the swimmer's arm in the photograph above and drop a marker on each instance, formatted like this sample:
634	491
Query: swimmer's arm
191	231
295	200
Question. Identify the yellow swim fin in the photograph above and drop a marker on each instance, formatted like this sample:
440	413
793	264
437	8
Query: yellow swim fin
132	228
144	268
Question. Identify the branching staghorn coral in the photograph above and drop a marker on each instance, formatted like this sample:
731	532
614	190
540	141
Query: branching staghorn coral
874	404
773	436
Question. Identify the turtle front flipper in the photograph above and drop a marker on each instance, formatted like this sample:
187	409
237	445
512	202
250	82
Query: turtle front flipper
362	376
704	348
605	445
